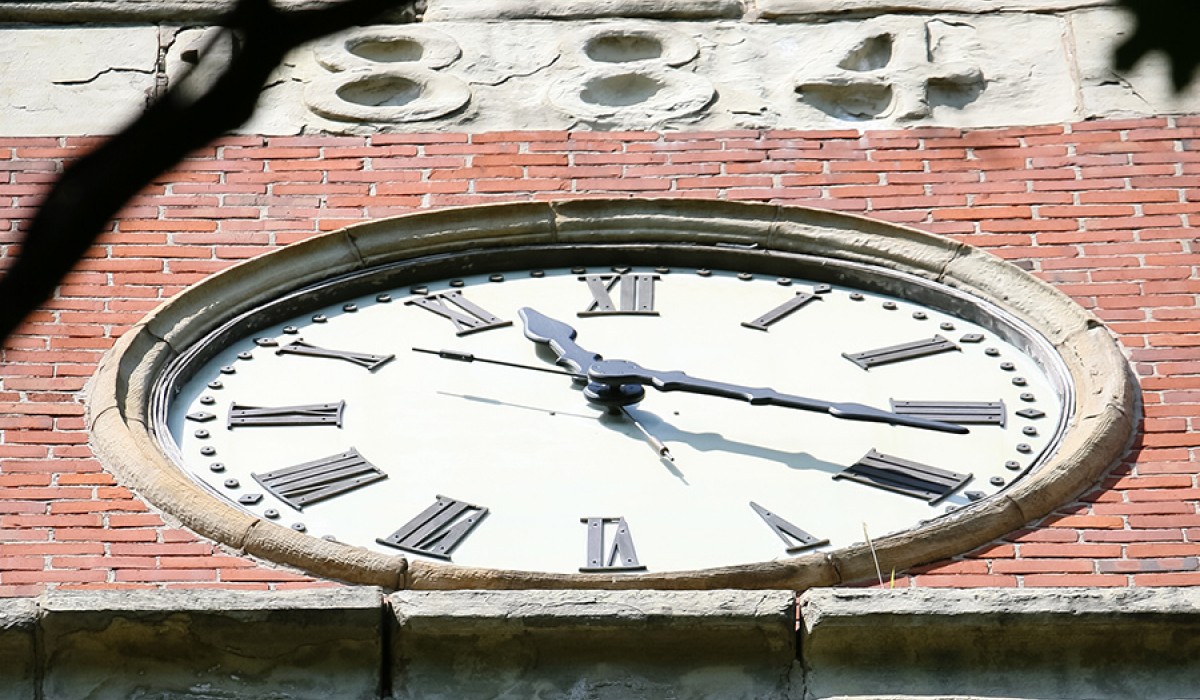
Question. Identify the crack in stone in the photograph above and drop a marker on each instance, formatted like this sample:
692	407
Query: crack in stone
94	78
510	76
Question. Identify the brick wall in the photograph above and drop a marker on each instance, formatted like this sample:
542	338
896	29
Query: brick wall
1103	210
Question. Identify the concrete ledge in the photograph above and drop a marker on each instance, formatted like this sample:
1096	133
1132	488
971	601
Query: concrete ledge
346	643
997	643
210	644
593	644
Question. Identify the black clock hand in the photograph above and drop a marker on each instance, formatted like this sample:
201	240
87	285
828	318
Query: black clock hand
623	372
560	337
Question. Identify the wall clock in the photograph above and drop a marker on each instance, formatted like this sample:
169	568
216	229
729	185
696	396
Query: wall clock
616	394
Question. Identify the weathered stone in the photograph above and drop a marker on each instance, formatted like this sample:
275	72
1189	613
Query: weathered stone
1062	643
140	10
1144	90
18	620
211	644
593	644
580	9
74	81
795	9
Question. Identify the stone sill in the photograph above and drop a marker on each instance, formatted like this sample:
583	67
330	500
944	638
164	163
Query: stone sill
355	643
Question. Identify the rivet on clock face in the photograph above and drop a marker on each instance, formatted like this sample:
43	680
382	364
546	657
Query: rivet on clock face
208	450
822	289
266	342
329	538
992	352
1024	448
974	495
1012	465
946	326
200	416
996	481
349	308
216	384
1027	397
291	330
578	270
971	338
496	278
856	297
537	274
1019	381
784	281
890	305
383	298
745	276
228	369
201	434
456	283
419	289
232	483
207	400
299	527
216	467
920	315
621	269
245	355
250	499
319	318
663	270
1007	366
1029	430
704	272
270	514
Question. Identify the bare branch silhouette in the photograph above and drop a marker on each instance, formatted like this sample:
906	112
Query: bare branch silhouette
93	189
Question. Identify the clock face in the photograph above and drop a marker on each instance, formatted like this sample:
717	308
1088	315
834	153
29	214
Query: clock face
774	405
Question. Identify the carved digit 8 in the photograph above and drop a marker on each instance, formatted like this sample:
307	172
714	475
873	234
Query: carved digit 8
387	74
629	74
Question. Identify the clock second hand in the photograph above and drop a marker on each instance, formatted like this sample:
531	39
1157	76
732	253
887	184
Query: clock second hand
657	445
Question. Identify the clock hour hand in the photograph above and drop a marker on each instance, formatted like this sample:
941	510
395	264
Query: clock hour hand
623	373
560	337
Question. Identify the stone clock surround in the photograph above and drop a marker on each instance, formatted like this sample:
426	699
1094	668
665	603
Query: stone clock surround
1104	414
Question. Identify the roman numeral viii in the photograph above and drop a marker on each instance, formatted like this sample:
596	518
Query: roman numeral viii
320	479
636	295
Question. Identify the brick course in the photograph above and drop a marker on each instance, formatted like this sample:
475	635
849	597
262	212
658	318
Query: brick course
1103	210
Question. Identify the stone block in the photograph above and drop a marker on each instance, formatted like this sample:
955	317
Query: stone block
1143	90
18	622
317	644
74	80
593	644
1100	644
799	9
581	9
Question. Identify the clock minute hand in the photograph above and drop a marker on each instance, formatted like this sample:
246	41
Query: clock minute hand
623	372
560	337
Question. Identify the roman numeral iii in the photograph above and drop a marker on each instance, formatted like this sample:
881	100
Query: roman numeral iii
636	294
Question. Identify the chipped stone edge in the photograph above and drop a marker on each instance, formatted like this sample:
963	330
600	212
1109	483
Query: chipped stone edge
1105	412
136	11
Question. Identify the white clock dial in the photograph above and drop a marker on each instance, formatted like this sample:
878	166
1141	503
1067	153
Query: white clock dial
329	420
